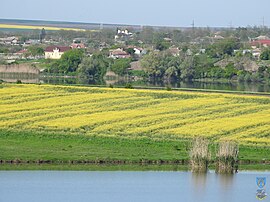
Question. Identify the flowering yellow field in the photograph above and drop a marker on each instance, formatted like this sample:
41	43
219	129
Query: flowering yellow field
135	113
9	26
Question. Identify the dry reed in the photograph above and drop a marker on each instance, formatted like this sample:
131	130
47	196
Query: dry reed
200	155
227	157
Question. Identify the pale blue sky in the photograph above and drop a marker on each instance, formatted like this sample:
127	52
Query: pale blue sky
142	12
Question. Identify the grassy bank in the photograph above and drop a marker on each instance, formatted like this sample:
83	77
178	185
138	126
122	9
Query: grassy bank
41	148
60	148
113	167
94	167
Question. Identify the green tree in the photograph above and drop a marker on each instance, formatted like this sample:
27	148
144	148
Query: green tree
187	69
223	47
120	66
162	45
131	51
230	71
95	66
215	72
152	66
70	60
35	51
265	55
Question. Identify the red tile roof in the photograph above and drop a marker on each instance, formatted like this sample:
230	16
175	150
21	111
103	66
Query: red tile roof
61	48
22	51
261	42
77	45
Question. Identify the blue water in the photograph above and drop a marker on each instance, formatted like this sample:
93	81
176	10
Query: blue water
65	186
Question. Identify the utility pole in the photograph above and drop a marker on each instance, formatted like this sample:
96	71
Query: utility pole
193	25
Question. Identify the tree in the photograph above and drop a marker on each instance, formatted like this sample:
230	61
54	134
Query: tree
70	60
95	66
151	64
162	45
42	35
160	65
265	55
130	51
187	69
230	71
223	47
120	66
35	51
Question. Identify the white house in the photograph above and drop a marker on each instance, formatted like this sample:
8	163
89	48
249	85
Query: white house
55	52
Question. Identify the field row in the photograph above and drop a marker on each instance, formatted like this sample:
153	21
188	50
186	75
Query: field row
135	113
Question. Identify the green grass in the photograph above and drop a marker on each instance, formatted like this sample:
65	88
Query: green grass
60	148
29	146
94	167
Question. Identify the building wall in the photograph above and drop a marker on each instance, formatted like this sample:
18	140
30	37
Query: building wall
53	55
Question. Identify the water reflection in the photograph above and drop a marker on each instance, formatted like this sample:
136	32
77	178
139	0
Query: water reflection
199	181
231	86
199	184
206	184
225	186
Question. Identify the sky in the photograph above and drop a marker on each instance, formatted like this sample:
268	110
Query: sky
179	13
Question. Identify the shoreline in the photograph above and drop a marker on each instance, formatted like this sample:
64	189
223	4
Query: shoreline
118	167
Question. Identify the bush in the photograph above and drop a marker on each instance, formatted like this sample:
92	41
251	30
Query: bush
129	86
18	82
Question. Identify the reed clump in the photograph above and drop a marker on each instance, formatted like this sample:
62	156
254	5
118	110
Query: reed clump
226	158
200	155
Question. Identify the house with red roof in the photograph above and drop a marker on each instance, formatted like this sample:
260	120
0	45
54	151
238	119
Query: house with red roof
55	52
77	46
119	53
21	52
261	42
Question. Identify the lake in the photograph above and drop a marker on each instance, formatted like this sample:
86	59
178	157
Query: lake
115	186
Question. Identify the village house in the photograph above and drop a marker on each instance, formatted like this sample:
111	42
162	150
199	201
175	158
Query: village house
118	53
9	40
21	54
137	50
260	43
256	53
31	42
167	39
77	46
55	52
123	35
174	51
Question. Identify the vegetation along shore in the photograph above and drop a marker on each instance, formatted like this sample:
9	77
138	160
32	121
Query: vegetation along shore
67	124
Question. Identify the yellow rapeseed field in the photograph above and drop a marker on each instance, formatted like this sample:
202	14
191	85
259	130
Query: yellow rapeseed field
9	26
135	113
